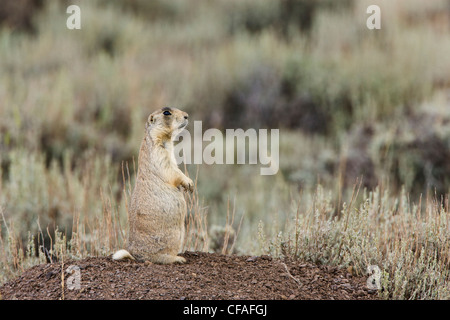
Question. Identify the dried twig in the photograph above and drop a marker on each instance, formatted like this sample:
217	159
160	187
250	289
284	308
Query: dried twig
290	275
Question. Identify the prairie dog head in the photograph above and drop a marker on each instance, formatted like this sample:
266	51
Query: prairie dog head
166	124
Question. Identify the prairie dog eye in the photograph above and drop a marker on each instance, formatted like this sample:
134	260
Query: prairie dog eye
166	113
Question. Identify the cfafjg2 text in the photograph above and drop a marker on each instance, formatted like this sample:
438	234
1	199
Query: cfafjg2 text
232	309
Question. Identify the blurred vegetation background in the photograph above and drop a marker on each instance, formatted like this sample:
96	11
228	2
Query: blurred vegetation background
349	102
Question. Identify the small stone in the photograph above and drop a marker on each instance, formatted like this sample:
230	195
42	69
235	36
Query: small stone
350	270
346	286
360	293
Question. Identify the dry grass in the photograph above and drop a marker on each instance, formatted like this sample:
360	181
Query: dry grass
409	242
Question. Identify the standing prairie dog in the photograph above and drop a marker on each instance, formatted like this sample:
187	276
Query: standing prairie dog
158	207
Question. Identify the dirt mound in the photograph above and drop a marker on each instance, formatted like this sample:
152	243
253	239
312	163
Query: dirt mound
205	276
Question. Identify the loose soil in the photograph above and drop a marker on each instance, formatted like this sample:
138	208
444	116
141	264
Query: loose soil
204	276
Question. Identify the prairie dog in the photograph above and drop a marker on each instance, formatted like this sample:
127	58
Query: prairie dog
158	208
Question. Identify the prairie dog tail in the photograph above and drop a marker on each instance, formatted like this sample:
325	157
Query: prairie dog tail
122	255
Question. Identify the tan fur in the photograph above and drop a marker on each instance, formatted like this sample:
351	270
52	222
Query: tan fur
158	207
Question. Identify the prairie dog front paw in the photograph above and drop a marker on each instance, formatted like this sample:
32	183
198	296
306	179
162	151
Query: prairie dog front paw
188	184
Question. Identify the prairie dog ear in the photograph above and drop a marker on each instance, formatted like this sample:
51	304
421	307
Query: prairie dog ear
149	122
